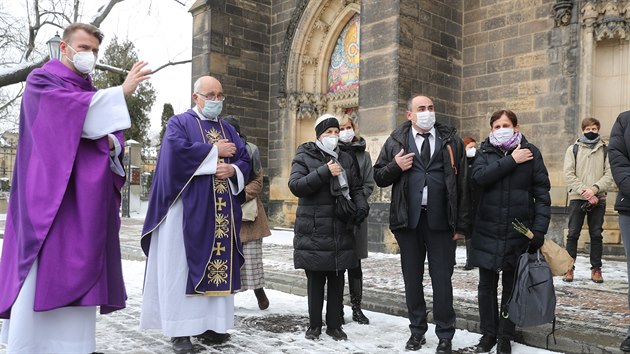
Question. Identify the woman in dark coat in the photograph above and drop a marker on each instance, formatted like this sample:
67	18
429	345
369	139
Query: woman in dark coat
352	143
512	181
324	243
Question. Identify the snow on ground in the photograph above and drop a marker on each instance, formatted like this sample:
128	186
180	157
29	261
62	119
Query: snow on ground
385	334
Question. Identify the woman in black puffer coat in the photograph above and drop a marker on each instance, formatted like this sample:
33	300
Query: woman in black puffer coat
512	181
323	243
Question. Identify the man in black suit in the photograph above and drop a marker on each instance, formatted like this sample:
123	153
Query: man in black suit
425	162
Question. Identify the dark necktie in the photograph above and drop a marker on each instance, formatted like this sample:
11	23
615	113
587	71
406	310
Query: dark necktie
425	150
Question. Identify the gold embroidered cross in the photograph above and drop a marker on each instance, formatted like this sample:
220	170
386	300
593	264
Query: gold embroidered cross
220	204
218	249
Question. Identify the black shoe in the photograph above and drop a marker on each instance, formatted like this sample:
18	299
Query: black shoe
444	346
213	337
504	346
415	342
337	333
486	343
625	345
263	302
359	317
181	344
313	333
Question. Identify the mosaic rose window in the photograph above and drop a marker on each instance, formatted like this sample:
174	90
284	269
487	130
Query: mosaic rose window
343	73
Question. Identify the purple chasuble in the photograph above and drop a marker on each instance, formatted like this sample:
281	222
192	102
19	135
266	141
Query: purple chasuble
64	201
212	214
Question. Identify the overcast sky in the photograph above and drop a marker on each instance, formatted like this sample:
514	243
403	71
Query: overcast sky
161	30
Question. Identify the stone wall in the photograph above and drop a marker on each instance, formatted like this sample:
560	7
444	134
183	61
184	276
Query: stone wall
231	42
283	23
515	58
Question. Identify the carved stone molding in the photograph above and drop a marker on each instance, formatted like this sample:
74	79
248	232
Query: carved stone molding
288	40
607	19
307	105
562	12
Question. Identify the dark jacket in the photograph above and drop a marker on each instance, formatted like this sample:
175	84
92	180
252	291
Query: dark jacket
322	242
619	158
473	197
387	172
366	176
507	191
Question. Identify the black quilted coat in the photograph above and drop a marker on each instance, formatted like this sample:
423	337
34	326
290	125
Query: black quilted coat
322	242
507	191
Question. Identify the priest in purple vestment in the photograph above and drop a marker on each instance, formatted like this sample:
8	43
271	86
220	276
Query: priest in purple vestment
61	252
192	224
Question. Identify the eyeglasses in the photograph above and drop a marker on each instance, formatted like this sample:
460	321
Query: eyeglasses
212	97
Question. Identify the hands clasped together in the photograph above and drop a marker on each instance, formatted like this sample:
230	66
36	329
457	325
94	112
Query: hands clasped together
225	149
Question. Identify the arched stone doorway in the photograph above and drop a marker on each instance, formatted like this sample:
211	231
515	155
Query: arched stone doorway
322	76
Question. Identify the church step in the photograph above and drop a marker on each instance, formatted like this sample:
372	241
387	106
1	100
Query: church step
608	249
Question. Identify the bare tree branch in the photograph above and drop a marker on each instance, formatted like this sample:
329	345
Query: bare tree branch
103	11
169	64
8	103
112	69
76	10
19	75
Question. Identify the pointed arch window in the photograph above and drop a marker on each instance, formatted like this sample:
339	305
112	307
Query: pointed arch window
343	72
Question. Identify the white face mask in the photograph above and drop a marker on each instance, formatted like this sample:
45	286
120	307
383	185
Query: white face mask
84	62
504	134
470	152
425	120
330	141
347	135
211	109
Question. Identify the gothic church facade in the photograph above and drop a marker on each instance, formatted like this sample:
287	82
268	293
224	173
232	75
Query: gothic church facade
285	62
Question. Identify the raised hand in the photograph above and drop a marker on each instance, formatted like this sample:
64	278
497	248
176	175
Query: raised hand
226	148
135	76
404	161
334	168
522	155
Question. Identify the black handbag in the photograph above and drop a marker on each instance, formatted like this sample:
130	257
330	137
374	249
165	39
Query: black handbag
345	209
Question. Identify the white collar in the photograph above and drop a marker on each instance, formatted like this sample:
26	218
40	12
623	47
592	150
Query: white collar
415	132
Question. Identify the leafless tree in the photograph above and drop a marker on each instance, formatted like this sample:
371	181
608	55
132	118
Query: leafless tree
22	48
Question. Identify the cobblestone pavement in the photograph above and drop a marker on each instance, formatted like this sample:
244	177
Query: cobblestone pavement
591	317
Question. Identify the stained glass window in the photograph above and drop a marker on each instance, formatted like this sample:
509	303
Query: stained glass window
343	72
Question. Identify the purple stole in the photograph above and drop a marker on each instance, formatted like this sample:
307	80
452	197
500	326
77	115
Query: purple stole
221	274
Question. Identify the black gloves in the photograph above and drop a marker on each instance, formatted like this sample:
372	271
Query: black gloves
536	242
360	216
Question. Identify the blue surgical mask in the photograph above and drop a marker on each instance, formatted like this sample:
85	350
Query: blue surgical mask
211	109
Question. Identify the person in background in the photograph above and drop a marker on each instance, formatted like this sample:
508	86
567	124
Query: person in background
61	253
324	242
352	143
425	163
253	231
619	157
588	177
512	181
471	150
190	233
